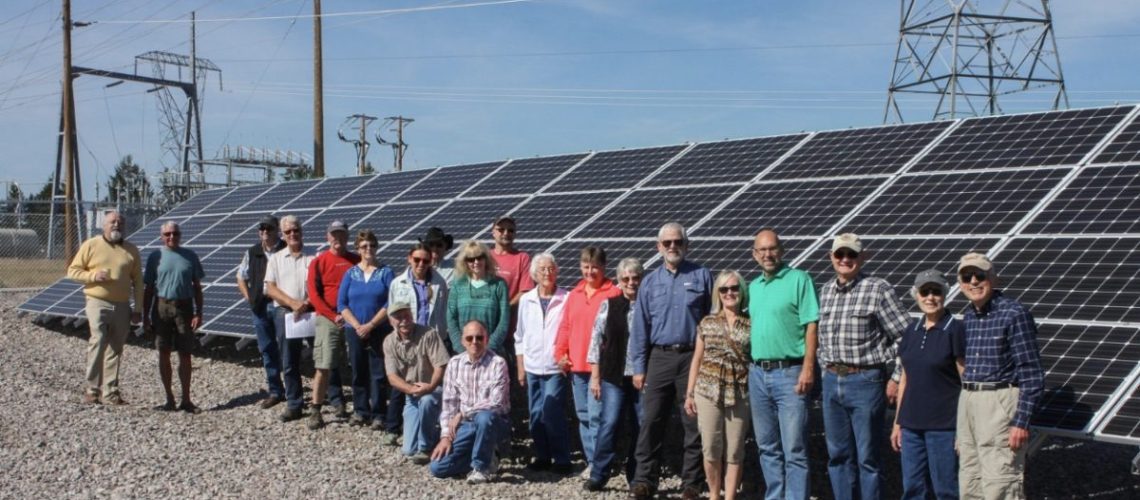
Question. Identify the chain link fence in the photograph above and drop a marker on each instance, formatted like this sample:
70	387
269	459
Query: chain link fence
38	239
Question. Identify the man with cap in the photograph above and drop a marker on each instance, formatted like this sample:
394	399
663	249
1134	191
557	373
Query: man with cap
414	361
251	284
329	355
1001	385
861	321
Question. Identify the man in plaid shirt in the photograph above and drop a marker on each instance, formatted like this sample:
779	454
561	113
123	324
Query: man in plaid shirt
1001	385
860	323
473	419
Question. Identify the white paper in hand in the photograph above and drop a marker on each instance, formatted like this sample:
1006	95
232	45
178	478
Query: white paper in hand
304	328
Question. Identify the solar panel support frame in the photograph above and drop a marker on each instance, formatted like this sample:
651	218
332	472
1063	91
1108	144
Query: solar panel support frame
1111	407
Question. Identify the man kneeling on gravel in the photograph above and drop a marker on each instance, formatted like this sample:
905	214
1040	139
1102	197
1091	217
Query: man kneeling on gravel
475	408
414	359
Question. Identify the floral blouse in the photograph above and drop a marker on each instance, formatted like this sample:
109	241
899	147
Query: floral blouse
723	372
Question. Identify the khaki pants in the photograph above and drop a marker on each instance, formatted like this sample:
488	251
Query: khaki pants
110	323
723	429
988	468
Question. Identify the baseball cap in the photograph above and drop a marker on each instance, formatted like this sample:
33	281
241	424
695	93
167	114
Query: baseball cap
930	276
268	220
975	259
337	225
505	218
847	240
398	306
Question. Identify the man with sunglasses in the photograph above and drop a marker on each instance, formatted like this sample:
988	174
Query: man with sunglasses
172	309
251	284
473	419
1001	385
513	265
673	300
784	309
325	275
285	275
861	321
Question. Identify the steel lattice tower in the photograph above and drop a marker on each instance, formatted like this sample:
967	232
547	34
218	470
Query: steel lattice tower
967	54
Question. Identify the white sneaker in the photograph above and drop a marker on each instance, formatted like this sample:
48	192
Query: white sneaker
586	473
476	477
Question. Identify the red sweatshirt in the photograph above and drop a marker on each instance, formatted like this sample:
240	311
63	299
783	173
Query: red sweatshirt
327	270
577	325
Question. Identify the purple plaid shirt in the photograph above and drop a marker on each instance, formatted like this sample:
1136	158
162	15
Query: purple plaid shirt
1001	346
470	386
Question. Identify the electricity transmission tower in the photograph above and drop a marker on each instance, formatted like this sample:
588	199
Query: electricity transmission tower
963	55
360	142
399	147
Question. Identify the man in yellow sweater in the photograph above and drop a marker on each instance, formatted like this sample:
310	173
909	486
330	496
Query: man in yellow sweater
110	269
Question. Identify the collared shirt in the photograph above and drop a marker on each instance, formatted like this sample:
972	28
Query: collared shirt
537	331
930	358
172	273
781	308
423	298
860	322
1001	346
243	267
668	308
288	273
471	386
415	358
595	353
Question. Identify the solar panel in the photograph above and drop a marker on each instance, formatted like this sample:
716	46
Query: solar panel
199	202
525	176
71	305
189	227
728	161
1125	147
466	218
956	203
236	198
1056	138
1098	200
328	192
278	196
615	169
49	297
867	151
1084	365
393	219
384	188
736	255
1074	278
799	208
569	253
643	212
1126	422
235	322
220	264
224	231
554	216
220	298
448	185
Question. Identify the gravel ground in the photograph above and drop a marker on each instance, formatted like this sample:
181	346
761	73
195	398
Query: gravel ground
51	446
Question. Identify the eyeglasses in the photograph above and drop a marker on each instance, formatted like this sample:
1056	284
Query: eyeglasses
170	234
421	260
292	231
475	338
844	253
365	245
471	259
672	243
627	279
547	270
926	292
967	276
764	250
730	288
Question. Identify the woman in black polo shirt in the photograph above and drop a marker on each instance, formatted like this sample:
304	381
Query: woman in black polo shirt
932	352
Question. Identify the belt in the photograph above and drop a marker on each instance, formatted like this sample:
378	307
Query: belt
675	347
179	302
777	364
986	386
843	370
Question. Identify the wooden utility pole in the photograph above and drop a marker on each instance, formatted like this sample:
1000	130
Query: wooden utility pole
70	164
400	145
318	96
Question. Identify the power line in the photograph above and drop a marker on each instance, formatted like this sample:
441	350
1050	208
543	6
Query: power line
310	16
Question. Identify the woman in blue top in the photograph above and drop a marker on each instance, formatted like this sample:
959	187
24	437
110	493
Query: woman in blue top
932	352
363	301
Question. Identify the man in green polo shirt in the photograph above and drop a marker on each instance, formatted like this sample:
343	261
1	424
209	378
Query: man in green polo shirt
784	309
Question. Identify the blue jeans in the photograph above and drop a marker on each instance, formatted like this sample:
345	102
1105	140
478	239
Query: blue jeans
854	408
929	453
618	410
291	368
421	422
474	445
546	397
265	325
370	389
587	428
779	420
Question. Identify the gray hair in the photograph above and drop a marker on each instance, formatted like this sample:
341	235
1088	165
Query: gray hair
672	226
631	264
292	220
534	262
111	211
170	224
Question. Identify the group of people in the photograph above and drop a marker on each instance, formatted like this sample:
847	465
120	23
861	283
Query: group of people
434	363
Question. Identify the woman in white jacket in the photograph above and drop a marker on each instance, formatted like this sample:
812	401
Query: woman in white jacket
540	312
422	286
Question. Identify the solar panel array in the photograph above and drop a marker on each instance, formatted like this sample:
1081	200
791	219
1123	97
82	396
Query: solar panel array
1053	198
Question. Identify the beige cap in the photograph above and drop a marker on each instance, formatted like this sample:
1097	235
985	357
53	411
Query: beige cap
975	259
847	240
398	306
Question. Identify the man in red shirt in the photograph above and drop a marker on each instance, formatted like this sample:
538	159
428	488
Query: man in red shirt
513	266
325	274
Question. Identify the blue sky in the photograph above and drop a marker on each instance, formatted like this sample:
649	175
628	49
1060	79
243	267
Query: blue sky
495	81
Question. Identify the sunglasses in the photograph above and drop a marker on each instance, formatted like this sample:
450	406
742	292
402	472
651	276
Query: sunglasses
421	260
726	289
846	254
292	231
968	275
363	246
172	233
471	259
474	339
926	292
627	279
672	243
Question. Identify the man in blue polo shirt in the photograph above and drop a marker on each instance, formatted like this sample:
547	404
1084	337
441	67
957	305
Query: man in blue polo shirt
1001	385
672	301
784	310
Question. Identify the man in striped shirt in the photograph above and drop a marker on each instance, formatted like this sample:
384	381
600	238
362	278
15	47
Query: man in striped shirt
473	419
1001	385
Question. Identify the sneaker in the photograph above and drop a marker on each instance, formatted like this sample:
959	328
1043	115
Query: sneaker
586	473
420	458
389	439
270	402
356	420
91	398
476	477
592	485
115	400
290	414
340	411
315	420
377	425
640	491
